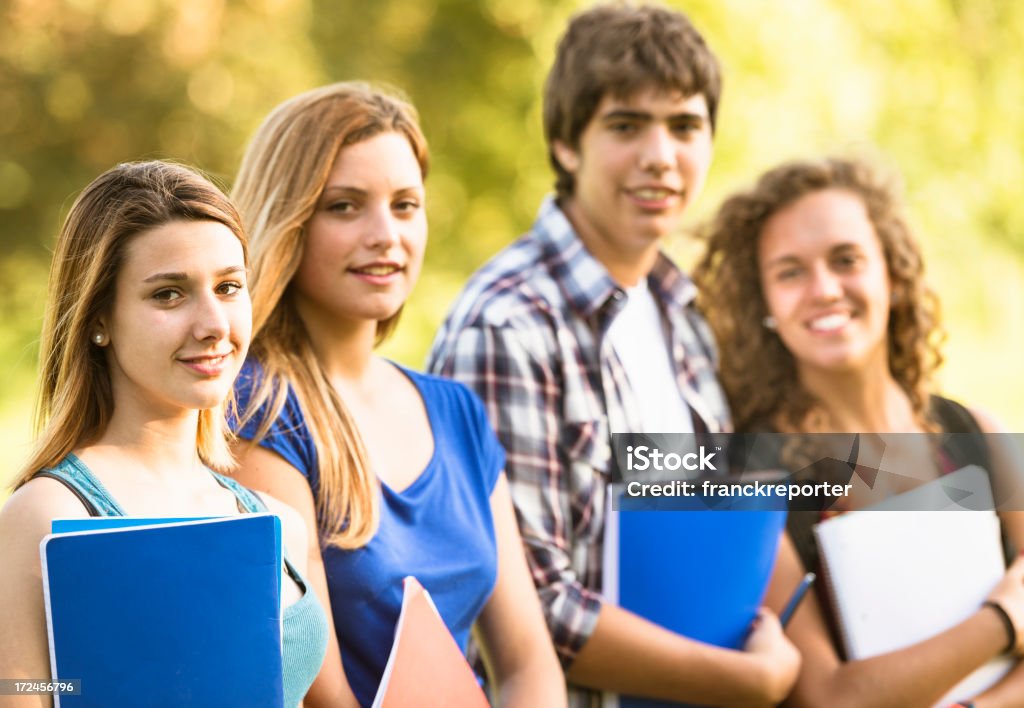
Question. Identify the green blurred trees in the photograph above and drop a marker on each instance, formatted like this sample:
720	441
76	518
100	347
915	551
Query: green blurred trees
933	88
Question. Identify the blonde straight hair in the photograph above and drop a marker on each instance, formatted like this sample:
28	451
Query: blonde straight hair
76	401
283	173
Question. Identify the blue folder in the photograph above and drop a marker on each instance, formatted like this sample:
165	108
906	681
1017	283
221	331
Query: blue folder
99	523
701	574
185	613
96	523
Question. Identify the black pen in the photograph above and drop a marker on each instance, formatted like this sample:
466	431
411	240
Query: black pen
794	600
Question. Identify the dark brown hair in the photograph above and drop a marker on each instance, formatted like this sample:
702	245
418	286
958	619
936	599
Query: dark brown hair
757	371
620	50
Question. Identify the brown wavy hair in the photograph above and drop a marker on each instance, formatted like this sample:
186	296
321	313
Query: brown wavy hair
283	173
757	371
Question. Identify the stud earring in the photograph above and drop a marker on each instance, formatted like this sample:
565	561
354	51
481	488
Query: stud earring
769	322
98	338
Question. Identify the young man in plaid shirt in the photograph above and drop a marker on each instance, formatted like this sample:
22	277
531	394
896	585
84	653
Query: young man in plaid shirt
583	327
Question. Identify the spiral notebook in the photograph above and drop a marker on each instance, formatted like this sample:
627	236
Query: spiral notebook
895	578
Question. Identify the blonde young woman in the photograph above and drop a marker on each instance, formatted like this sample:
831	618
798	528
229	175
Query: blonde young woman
397	473
814	287
147	323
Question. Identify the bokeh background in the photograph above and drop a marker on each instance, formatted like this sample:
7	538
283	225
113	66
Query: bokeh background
932	89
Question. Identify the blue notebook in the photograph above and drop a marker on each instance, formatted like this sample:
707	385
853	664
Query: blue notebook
701	574
173	614
96	523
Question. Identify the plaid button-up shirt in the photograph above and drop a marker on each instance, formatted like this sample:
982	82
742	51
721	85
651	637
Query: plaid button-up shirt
528	335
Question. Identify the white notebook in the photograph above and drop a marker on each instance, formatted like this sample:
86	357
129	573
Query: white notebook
896	578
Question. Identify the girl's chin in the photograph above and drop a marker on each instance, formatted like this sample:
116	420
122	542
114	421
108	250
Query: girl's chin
211	397
834	365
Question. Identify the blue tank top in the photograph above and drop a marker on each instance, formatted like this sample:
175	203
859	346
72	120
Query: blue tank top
303	623
439	529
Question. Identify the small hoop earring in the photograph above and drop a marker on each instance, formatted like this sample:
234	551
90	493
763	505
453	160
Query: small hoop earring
769	323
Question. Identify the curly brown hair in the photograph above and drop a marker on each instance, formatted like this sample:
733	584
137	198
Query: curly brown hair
757	371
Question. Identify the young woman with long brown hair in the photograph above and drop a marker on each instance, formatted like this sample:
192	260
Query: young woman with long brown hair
148	321
397	473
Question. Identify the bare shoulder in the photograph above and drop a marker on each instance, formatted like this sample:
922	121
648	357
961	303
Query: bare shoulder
293	529
29	511
258	464
266	471
987	422
24	522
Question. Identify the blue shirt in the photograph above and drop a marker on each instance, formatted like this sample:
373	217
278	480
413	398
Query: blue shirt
439	529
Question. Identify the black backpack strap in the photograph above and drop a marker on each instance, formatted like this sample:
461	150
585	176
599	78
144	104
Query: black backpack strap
966	446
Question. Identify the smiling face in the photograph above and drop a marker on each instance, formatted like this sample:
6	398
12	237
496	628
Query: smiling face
640	163
179	327
366	239
826	284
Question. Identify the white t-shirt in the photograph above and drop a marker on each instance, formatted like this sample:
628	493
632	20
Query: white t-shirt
638	337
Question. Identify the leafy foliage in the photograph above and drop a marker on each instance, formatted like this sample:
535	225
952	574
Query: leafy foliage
933	89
